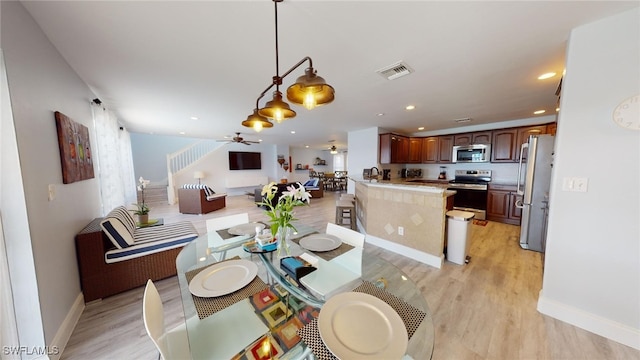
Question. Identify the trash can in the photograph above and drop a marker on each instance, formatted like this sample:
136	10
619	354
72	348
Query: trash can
458	238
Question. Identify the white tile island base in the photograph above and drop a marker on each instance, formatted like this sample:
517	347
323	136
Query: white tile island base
406	219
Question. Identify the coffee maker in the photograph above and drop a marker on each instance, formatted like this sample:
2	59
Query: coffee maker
386	174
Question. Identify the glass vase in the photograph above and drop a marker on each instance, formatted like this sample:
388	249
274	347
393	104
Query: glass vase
283	241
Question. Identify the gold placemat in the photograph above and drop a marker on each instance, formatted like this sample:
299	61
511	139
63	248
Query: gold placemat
206	306
328	255
411	317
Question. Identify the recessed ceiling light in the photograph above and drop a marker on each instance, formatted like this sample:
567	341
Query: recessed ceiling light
538	112
306	146
421	128
194	118
380	114
182	132
410	107
293	131
259	140
557	109
546	75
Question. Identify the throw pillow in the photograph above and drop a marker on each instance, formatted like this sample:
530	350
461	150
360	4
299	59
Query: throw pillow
117	232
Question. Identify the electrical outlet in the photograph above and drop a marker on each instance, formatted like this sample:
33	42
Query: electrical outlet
400	230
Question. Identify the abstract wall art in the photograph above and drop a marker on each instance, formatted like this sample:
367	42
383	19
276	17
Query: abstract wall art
75	149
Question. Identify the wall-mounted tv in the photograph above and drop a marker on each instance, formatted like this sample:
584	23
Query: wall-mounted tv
243	160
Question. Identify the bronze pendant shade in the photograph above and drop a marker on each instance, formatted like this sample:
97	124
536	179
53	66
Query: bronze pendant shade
309	90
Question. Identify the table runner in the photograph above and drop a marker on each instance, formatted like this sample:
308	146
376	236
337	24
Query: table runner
206	306
411	317
328	255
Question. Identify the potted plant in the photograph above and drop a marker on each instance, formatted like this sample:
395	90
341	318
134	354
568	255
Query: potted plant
142	208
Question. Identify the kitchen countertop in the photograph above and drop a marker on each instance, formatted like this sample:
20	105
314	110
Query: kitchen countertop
426	185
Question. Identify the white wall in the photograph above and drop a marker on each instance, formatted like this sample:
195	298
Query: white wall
149	154
41	82
363	154
592	264
304	157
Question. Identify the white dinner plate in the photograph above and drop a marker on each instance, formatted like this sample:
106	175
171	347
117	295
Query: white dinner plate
320	242
245	229
357	325
223	278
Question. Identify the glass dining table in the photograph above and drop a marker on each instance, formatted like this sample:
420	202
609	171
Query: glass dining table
277	316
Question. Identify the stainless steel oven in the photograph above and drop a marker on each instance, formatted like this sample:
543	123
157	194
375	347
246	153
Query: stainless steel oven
471	188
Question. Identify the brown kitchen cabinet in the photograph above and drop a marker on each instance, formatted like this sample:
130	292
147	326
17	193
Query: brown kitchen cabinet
394	149
415	150
501	204
551	128
430	150
504	145
480	137
445	149
523	137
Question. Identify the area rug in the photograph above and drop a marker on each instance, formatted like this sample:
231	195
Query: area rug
480	222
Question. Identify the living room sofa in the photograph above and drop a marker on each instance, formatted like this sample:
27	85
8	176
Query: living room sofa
199	199
114	255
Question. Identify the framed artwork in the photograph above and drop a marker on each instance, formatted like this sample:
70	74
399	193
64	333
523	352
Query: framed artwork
76	156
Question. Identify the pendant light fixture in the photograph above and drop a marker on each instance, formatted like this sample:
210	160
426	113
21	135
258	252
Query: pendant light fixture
309	90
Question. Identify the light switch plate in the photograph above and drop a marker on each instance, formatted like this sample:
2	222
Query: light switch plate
52	192
575	184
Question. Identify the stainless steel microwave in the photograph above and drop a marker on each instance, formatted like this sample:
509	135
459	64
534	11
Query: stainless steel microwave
472	153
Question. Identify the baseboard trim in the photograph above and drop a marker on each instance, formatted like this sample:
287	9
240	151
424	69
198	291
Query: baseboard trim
411	253
612	330
65	330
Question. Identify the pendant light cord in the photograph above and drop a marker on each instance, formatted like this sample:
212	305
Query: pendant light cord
275	4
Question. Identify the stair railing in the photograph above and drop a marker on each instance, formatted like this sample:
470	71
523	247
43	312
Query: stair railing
182	159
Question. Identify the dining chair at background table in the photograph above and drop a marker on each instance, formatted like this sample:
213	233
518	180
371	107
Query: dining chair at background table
172	344
225	222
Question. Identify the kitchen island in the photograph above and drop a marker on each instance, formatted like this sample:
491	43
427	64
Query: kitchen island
408	218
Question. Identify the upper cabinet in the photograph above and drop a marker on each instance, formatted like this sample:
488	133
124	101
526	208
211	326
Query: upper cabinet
394	149
445	148
430	150
480	137
503	147
506	143
415	150
437	149
523	137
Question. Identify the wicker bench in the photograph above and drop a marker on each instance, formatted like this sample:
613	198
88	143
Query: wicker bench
106	270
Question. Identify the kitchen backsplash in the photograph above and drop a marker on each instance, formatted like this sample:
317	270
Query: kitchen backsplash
503	173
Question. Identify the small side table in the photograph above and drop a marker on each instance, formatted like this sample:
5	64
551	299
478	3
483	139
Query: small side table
152	222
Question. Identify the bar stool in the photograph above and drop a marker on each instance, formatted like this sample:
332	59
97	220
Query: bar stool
346	209
348	197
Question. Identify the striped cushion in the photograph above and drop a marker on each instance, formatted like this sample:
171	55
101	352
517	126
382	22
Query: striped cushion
151	240
119	226
207	190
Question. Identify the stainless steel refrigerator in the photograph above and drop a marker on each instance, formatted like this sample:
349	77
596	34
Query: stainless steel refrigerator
534	180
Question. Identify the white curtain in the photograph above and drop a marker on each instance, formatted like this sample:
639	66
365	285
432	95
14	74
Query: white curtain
115	162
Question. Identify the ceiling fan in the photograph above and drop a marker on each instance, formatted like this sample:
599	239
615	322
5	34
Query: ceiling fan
240	140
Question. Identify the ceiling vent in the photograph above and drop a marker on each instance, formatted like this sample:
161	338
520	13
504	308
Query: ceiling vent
395	71
463	120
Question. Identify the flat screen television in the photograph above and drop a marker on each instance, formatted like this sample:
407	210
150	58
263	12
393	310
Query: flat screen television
243	160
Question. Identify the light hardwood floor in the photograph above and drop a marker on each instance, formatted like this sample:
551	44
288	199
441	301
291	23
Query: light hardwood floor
483	310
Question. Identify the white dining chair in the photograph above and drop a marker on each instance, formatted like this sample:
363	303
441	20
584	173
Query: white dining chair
225	222
348	236
172	344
